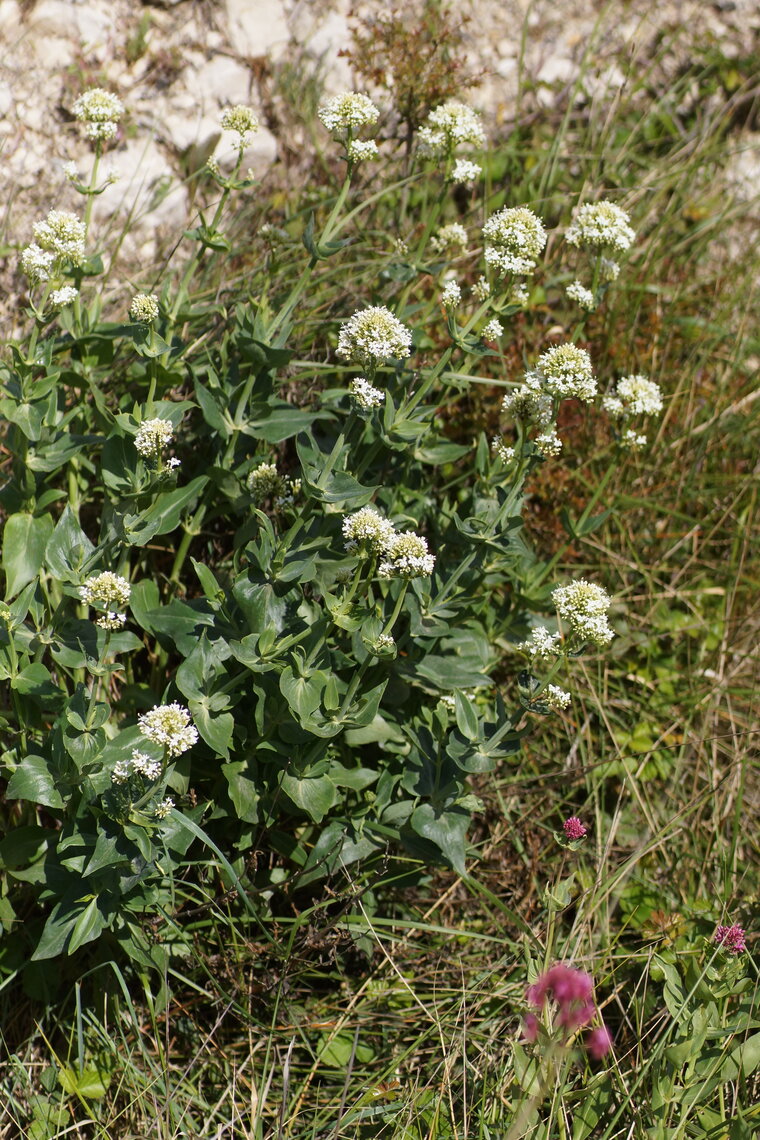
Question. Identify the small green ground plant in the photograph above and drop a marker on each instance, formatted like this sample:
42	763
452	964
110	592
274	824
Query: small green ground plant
286	625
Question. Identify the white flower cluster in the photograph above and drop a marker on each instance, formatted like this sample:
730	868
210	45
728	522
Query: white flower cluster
601	225
144	308
170	726
582	296
565	370
518	295
556	698
406	557
36	263
449	127
482	289
163	808
492	330
451	237
514	239
541	645
100	112
368	534
266	483
373	335
635	396
153	436
548	443
364	394
139	765
110	591
632	440
451	295
66	295
62	235
240	119
347	111
362	150
529	402
501	451
464	171
583	607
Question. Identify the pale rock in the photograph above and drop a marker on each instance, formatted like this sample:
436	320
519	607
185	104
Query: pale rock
557	69
52	53
257	28
258	156
6	100
222	82
145	174
186	127
52	18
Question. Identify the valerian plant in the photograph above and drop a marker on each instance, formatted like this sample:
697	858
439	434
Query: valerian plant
253	592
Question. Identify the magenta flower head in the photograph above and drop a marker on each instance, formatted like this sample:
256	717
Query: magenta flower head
573	828
731	938
571	989
598	1042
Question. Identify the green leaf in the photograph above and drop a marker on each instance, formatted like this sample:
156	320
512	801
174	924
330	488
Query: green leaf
68	549
24	542
242	790
313	794
33	781
746	1055
164	515
446	829
90	1084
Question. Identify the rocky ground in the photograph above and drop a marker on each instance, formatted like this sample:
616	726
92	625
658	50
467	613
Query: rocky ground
175	63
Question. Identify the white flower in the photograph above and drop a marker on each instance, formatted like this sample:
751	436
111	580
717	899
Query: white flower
451	295
100	112
548	443
348	111
266	483
529	402
240	119
61	234
106	589
565	370
66	295
450	126
632	440
120	772
152	436
145	765
173	463
501	451
70	172
601	225
36	263
144	308
464	171
482	288
111	620
406	556
163	808
556	698
608	270
449	237
583	296
514	239
583	607
367	532
170	726
541	645
635	396
518	295
364	394
493	330
373	335
362	150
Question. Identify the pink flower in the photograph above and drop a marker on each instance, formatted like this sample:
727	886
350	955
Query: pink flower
571	989
731	938
598	1042
530	1027
573	828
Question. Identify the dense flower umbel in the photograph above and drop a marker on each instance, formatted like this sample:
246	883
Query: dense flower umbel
144	308
731	939
572	992
364	394
367	533
63	235
601	225
66	295
373	335
348	111
406	556
573	828
100	112
240	119
583	607
449	127
363	150
152	436
464	171
529	402
565	370
635	396
140	765
111	592
514	238
583	296
449	237
265	483
36	263
542	645
170	726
